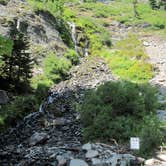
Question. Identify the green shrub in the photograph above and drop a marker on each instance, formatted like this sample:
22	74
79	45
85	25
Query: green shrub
6	46
120	110
56	68
150	134
41	92
17	109
72	56
4	2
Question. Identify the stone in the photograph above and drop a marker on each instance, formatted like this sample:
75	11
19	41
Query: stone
161	115
91	154
162	157
62	159
3	97
62	162
146	44
78	162
38	138
146	25
149	162
128	157
97	162
87	146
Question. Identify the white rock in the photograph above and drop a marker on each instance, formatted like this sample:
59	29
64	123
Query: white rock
78	162
38	138
91	154
87	146
162	157
146	44
149	162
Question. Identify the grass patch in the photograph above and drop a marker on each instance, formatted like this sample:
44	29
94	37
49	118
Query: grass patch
129	60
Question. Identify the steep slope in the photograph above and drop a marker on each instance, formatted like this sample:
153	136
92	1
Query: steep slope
41	28
42	136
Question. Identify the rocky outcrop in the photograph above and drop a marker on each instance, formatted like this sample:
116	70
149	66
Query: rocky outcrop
43	30
53	135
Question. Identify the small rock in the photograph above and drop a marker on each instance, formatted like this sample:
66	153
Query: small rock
92	154
87	146
146	44
37	138
78	162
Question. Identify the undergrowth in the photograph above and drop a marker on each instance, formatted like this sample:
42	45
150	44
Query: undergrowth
109	111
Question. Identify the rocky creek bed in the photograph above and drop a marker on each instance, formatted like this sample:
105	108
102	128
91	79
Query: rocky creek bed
53	136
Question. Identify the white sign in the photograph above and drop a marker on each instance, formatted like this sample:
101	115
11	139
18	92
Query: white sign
134	143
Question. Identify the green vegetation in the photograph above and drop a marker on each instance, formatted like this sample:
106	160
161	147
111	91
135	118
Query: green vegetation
109	112
6	46
16	63
72	56
116	110
17	109
55	7
54	70
4	2
129	60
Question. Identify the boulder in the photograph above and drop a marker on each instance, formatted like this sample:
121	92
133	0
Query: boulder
38	138
162	157
92	153
78	162
87	147
3	97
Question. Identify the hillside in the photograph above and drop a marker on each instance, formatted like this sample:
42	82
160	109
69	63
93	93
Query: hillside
78	79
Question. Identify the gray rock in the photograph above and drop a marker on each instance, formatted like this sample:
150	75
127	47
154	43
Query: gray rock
162	157
92	154
78	162
149	162
97	162
38	138
3	97
161	115
87	146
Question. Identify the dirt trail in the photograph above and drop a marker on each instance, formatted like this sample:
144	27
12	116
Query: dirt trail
156	49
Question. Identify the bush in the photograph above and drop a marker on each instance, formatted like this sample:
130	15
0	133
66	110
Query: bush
150	135
41	92
17	109
56	68
120	110
72	56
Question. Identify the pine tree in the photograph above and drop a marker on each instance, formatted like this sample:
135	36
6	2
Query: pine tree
17	68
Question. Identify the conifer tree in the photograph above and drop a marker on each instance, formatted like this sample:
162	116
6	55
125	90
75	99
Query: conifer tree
17	67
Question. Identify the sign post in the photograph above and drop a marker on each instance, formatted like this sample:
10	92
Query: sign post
134	143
